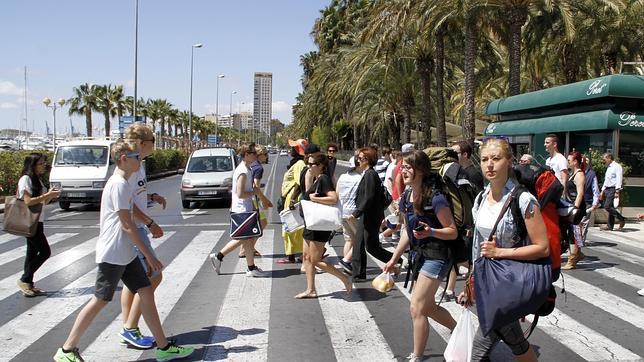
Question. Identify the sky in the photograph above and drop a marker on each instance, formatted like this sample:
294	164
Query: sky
67	43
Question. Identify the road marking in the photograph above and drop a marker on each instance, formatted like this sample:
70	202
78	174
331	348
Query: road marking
176	279
246	308
62	216
190	214
357	340
19	252
5	238
613	251
612	272
26	328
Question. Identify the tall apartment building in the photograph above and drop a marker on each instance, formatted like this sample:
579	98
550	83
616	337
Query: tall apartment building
263	101
243	120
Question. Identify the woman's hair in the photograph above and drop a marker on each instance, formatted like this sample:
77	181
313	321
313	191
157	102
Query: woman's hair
29	169
371	154
321	160
139	131
500	143
576	155
420	162
123	146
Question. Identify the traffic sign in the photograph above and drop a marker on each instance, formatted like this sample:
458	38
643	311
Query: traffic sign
213	139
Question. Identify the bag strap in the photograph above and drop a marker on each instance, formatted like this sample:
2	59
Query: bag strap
503	211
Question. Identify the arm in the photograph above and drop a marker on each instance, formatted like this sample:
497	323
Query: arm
366	191
331	198
130	229
595	187
447	232
398	183
155	229
403	245
241	193
564	180
158	199
266	203
580	182
619	179
44	198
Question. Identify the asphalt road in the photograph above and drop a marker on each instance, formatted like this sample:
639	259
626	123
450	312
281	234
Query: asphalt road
231	317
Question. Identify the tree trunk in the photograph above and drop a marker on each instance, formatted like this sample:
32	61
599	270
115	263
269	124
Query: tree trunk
425	65
569	64
441	130
469	130
393	130
88	123
408	122
517	16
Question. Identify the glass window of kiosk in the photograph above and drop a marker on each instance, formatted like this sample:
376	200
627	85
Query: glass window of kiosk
583	141
631	151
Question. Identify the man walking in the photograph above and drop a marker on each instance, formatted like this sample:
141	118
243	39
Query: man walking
557	162
610	190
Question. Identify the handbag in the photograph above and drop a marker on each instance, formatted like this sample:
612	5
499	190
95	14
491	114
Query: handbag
292	219
321	217
245	225
507	290
20	219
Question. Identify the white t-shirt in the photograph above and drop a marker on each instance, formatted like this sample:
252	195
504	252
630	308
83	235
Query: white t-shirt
389	177
557	163
487	217
347	188
138	183
237	204
113	246
24	184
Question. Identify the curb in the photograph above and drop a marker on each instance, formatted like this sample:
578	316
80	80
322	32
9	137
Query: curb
156	176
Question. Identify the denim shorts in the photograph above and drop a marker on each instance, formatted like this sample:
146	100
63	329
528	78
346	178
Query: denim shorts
435	268
143	234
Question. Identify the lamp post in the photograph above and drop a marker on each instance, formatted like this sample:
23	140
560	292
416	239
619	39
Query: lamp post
136	54
217	108
232	119
59	104
192	58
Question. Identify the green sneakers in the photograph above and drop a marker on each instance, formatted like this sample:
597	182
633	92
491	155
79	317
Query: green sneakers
72	356
173	352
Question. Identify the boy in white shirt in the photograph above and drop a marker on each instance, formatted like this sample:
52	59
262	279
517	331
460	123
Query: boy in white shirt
117	260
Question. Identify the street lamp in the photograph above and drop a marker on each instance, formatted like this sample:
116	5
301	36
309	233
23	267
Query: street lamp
217	108
136	54
54	106
232	120
192	57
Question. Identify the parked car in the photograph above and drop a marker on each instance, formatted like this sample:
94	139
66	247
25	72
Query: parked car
283	153
208	175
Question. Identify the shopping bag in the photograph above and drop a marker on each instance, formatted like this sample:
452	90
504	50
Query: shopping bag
321	217
20	219
292	219
245	225
383	282
459	347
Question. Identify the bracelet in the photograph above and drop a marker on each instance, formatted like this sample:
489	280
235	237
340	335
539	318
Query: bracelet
431	232
150	224
152	195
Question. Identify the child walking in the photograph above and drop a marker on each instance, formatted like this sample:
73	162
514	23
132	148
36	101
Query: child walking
117	260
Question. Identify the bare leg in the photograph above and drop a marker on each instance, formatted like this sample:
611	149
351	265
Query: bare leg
232	245
347	250
451	283
127	301
83	321
249	248
151	315
316	251
132	320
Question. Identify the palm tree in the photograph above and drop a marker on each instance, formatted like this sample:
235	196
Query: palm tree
105	105
84	102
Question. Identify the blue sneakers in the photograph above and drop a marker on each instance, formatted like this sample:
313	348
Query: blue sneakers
134	338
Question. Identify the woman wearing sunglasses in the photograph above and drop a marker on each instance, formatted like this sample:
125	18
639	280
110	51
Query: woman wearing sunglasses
323	192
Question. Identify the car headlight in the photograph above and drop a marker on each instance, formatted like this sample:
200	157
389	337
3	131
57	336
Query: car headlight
98	184
228	181
186	183
55	185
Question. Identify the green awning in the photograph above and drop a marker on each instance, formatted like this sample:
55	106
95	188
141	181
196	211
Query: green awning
617	85
587	121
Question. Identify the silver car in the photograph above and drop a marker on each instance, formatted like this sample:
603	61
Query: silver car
208	175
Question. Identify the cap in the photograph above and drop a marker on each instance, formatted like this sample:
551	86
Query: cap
311	148
299	145
408	147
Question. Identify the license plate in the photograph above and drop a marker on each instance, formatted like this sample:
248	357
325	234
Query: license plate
204	193
76	194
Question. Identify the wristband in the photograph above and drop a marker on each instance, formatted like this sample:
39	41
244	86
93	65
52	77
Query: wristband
152	195
150	223
431	232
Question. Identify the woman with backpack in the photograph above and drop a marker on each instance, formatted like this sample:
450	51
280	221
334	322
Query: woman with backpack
496	164
575	194
429	226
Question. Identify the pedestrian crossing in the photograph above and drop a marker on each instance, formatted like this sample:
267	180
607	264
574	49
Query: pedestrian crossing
602	319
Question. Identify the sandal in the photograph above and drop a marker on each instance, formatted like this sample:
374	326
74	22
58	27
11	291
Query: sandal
307	295
285	261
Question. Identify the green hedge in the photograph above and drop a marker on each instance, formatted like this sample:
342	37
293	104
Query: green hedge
11	163
164	160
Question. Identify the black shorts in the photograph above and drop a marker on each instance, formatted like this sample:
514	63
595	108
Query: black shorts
317	235
107	279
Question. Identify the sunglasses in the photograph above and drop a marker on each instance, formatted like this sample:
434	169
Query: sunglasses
251	153
406	167
313	164
134	155
362	159
153	139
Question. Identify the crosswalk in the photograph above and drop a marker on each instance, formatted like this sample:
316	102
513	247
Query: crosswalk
233	317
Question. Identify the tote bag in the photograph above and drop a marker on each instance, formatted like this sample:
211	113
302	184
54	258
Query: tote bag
245	225
507	290
20	219
292	219
321	217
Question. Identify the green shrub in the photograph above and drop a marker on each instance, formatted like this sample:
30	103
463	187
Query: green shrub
164	160
11	163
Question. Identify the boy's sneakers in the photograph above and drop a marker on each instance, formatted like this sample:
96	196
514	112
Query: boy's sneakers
257	273
346	266
216	263
71	356
134	338
173	352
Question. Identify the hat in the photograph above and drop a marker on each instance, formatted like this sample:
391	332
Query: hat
311	148
352	162
299	145
408	147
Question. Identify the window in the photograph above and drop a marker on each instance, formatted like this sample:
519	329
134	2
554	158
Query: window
82	155
631	151
583	141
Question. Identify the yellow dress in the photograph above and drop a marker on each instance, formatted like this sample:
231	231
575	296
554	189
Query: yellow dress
292	241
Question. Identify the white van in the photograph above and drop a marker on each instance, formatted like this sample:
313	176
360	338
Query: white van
80	170
208	175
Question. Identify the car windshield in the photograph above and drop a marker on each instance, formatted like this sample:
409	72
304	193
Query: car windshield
82	155
210	164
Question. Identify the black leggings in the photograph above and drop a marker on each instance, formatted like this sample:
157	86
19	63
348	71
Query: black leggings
37	252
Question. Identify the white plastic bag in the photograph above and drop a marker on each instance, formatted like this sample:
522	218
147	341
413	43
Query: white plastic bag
383	282
459	347
291	219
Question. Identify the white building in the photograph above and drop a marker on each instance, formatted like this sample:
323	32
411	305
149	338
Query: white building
224	121
243	120
263	101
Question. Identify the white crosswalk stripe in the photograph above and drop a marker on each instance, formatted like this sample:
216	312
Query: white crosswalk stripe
17	253
5	238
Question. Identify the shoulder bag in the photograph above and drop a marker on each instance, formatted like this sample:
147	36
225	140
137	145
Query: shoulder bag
245	225
507	290
20	219
321	217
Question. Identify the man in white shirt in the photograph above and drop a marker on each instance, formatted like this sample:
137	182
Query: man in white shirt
610	190
557	162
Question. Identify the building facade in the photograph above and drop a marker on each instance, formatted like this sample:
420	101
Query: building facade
243	120
262	102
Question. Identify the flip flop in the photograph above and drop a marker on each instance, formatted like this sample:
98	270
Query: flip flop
306	295
285	261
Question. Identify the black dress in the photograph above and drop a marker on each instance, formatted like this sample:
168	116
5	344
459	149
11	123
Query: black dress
321	186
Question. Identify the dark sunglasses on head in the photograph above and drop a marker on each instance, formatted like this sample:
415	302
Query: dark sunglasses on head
134	155
150	140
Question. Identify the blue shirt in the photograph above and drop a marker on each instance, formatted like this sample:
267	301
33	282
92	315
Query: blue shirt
429	217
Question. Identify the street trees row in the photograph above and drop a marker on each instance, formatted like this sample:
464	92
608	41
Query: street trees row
388	66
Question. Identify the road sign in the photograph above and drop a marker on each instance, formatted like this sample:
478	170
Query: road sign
213	139
126	121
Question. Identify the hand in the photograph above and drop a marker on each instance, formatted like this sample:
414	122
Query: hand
159	200
314	197
461	298
601	195
53	194
266	203
156	230
424	233
389	267
489	249
153	265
